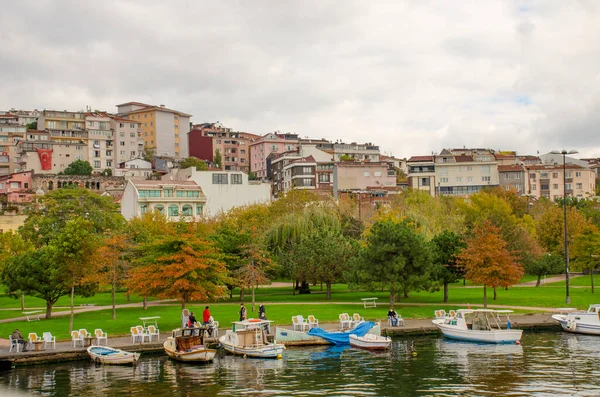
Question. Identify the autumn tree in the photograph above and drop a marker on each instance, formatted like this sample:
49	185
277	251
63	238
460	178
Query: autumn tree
183	266
550	227
255	264
487	260
393	255
113	265
446	248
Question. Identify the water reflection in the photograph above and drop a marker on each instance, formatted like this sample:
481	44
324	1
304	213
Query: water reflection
546	364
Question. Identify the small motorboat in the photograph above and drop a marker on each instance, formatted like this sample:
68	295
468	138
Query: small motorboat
370	341
110	355
480	325
248	338
290	337
187	345
580	322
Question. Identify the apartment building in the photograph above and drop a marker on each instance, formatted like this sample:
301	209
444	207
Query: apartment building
17	187
101	141
360	176
128	140
550	181
234	146
263	150
422	174
10	133
25	117
164	130
513	177
306	167
340	150
461	172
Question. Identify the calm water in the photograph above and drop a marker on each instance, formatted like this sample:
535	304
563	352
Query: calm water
546	364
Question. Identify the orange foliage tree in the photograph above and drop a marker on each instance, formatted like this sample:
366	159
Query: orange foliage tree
487	260
185	266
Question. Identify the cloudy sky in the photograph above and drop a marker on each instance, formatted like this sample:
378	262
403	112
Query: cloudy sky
411	76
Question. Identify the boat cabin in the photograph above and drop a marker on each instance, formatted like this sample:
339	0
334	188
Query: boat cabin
480	319
188	338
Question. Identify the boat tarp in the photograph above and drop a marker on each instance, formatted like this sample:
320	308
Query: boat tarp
342	337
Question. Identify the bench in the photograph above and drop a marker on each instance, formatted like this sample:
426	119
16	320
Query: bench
369	302
33	316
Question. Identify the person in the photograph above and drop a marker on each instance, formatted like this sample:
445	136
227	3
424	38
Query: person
206	316
393	317
192	320
243	312
16	335
262	315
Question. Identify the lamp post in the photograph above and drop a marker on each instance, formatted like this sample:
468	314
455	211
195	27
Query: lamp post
564	154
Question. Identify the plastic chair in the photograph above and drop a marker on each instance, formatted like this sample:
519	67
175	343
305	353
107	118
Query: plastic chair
356	318
296	324
14	343
142	332
77	337
32	338
153	331
101	336
345	321
83	332
49	339
312	322
135	335
452	313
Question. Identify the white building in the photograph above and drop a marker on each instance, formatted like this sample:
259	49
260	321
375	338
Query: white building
136	168
178	200
224	190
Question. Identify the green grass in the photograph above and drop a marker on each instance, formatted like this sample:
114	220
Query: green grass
100	299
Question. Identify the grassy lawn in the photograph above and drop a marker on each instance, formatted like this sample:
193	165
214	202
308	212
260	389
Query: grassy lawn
100	299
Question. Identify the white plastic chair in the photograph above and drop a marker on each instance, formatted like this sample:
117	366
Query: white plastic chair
356	318
214	326
142	332
14	343
83	332
153	331
49	340
297	324
135	335
100	336
312	322
345	321
77	337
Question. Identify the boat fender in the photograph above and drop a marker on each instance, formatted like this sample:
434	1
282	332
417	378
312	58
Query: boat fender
572	325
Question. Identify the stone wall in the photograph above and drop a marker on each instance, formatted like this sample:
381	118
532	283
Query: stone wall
113	185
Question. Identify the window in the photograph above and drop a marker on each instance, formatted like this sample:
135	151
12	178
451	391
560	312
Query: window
151	124
306	170
577	185
159	208
236	179
145	115
187	210
377	173
26	185
132	134
532	176
469	168
149	193
109	163
121	125
143	208
219	179
569	186
543	175
96	153
97	164
366	173
324	177
173	210
132	153
145	124
459	179
132	125
122	134
444	180
122	143
555	175
577	174
176	127
555	186
109	152
469	179
168	192
198	209
485	178
273	148
534	187
569	175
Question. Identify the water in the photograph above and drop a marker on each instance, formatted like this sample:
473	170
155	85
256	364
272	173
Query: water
546	364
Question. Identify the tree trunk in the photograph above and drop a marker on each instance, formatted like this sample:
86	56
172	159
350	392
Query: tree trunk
495	295
128	296
464	282
328	285
484	297
382	287
49	309
242	294
392	298
445	292
145	303
23	301
114	296
539	280
592	277
252	298
321	286
72	299
405	293
294	286
183	304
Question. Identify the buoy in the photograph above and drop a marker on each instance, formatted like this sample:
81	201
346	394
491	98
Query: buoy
279	356
469	306
414	354
518	342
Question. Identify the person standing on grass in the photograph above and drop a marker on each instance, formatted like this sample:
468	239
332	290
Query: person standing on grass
243	312
206	316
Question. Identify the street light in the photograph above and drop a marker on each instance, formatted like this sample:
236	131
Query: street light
564	154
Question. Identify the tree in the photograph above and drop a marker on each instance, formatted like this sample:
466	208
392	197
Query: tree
393	255
401	176
193	162
32	125
11	245
446	248
148	154
183	266
78	167
586	251
253	269
345	157
487	260
218	158
252	176
107	172
113	264
549	263
550	228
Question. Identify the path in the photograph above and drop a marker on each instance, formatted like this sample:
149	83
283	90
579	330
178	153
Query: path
546	280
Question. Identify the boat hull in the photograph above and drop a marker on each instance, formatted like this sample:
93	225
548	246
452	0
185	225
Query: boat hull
200	354
481	336
111	356
267	351
576	327
300	338
370	342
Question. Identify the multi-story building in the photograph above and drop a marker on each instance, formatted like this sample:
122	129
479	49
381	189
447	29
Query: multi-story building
178	200
101	141
128	141
422	174
164	130
66	127
25	117
136	168
17	187
264	149
358	176
465	171
344	151
549	180
10	133
224	190
234	146
513	177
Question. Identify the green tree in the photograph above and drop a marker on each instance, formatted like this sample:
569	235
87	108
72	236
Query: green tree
11	245
255	264
252	176
218	158
345	157
148	154
446	248
193	162
78	167
107	172
549	263
393	255
32	125
585	250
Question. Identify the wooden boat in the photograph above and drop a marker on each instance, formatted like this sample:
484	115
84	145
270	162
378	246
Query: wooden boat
290	337
187	345
481	325
248	338
110	355
370	341
580	322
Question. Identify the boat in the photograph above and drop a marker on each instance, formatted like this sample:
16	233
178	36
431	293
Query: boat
370	341
580	322
110	355
188	345
479	325
248	338
291	337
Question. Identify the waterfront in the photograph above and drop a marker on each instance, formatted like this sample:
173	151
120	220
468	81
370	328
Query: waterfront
547	363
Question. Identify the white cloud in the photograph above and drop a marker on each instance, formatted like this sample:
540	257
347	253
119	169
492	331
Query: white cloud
413	77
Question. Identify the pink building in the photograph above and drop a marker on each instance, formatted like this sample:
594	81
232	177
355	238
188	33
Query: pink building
265	148
17	187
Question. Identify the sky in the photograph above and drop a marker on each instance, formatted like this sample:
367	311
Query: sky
413	77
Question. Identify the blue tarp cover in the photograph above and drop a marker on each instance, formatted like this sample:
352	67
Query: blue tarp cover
342	337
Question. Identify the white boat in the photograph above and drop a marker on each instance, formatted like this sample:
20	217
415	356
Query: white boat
248	338
371	342
290	337
480	325
580	322
110	355
187	345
